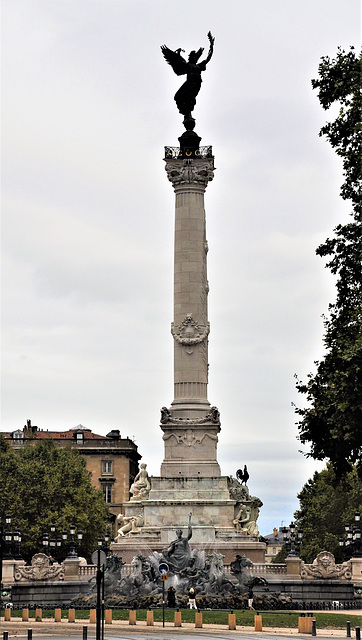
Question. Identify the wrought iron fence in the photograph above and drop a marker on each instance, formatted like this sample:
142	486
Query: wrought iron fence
177	153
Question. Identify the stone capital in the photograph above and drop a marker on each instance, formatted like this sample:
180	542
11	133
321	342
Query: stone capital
190	171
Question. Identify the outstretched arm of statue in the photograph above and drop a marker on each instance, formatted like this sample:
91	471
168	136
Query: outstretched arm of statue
211	48
189	535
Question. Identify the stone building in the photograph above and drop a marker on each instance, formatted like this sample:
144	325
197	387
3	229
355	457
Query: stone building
111	459
275	542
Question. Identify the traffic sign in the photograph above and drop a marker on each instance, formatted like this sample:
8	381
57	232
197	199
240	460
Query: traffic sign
102	557
163	576
163	567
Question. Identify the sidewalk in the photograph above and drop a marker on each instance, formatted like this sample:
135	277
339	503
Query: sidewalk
120	629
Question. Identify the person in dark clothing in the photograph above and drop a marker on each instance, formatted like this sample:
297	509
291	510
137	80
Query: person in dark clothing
192	599
171	597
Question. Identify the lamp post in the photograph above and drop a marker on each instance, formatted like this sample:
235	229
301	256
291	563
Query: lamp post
10	536
52	543
352	540
294	538
102	551
6	538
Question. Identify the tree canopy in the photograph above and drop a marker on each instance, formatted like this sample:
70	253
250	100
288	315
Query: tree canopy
41	484
331	424
326	504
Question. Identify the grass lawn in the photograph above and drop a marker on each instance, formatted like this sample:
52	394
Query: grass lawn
280	619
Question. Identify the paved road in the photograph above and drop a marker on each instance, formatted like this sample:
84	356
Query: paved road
158	633
167	635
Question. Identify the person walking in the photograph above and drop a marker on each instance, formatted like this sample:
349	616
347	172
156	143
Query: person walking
250	598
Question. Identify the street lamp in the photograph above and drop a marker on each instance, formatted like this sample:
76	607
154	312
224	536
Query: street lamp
56	543
10	536
6	538
294	538
72	543
352	539
102	551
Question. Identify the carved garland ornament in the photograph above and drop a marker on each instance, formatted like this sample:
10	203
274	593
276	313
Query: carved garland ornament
189	332
189	439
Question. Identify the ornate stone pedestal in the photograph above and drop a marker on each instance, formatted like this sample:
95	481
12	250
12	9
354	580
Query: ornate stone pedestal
167	508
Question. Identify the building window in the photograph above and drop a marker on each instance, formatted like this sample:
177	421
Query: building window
18	437
79	437
274	551
106	467
107	491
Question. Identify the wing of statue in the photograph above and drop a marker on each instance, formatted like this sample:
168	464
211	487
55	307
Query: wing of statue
175	59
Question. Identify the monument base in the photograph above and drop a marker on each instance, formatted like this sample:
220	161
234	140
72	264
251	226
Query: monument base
167	508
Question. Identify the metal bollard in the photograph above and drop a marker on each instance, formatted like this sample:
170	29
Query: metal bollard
5	635
85	633
348	629
30	634
314	628
358	633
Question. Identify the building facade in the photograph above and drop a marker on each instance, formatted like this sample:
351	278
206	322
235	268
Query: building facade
275	542
111	459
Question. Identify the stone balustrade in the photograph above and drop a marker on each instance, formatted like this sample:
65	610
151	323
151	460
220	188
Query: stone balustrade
261	569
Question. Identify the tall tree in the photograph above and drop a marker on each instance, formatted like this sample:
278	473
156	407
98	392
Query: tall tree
43	484
332	422
326	504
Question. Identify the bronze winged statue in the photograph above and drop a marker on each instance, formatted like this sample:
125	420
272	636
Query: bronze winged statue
185	97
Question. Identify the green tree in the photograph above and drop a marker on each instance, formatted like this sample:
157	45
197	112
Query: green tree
281	555
331	424
326	504
41	484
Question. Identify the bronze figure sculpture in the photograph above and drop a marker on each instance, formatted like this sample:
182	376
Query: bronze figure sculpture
185	97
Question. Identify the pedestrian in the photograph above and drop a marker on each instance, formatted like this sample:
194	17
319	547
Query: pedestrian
250	598
192	599
171	597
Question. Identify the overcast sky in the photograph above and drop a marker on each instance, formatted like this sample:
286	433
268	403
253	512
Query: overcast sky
88	215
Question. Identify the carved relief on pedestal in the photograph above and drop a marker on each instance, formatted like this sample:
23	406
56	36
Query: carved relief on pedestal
324	566
190	171
189	333
40	569
190	438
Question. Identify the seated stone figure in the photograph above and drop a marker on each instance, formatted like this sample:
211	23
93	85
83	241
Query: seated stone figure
178	553
141	485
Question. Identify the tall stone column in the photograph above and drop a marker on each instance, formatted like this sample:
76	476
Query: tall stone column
190	426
